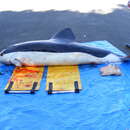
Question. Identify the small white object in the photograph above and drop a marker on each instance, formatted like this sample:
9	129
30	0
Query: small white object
110	70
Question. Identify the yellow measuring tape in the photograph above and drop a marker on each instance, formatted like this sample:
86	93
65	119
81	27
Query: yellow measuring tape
62	79
25	79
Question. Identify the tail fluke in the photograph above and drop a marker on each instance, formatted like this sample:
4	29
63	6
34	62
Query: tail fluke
125	59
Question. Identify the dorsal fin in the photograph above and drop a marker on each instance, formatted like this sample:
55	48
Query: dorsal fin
65	34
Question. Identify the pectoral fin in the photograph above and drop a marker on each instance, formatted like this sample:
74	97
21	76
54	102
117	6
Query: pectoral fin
16	62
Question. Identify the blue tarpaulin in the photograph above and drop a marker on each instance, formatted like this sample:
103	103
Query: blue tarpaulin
103	104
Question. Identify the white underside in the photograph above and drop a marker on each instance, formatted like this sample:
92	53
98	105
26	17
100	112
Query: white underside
46	58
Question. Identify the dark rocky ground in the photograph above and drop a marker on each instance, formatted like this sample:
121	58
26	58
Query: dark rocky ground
28	25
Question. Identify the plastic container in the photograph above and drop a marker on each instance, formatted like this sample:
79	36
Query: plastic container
129	3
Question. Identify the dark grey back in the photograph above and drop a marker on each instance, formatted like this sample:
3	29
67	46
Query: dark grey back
56	47
61	42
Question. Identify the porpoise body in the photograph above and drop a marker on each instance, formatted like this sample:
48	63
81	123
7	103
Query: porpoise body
61	49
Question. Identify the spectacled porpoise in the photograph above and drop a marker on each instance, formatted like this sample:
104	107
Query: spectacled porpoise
61	49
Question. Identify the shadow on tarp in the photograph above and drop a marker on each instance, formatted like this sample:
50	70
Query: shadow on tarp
29	25
103	104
